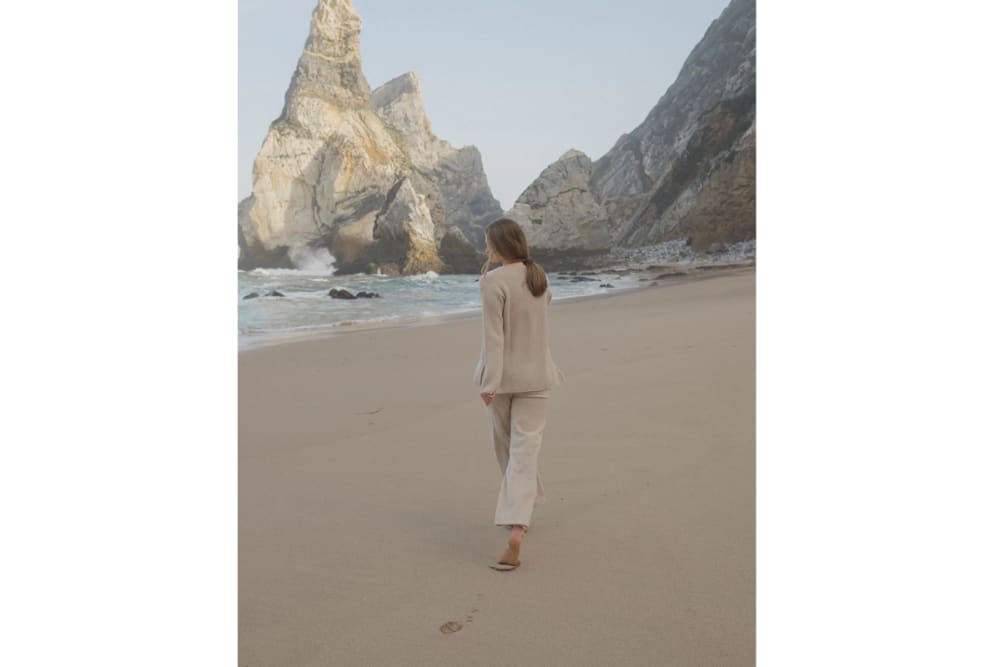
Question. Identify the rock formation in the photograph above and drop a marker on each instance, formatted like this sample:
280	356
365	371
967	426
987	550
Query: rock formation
686	171
405	232
456	174
359	172
558	211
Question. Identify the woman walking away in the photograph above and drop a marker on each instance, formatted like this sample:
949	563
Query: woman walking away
515	374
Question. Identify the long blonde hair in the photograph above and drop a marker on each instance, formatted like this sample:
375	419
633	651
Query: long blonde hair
507	239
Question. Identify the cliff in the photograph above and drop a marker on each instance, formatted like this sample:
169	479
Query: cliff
687	171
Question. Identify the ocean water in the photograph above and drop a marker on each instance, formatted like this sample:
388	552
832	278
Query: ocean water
307	306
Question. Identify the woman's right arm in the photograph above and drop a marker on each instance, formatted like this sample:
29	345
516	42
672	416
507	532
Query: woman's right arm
493	299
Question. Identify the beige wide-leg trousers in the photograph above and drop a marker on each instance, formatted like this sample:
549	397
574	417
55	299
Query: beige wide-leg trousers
517	421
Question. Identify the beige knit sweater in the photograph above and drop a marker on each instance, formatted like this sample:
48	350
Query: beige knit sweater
515	353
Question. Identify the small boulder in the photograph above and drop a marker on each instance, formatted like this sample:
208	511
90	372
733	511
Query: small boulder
341	294
251	295
275	292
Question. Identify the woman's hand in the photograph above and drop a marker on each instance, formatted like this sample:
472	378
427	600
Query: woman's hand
488	398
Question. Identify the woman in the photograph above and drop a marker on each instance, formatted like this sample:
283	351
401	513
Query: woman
515	374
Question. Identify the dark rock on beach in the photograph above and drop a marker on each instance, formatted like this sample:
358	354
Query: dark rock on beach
336	293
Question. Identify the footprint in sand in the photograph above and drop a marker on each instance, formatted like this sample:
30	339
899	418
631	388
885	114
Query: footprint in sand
455	626
450	627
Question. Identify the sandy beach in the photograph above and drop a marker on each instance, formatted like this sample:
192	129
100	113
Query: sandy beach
367	485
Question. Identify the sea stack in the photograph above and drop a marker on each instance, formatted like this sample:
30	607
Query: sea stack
359	173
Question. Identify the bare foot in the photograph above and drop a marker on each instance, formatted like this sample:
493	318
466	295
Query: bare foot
513	552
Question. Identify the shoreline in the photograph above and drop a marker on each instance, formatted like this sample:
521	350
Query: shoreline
251	342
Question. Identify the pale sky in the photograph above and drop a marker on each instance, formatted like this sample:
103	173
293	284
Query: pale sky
523	81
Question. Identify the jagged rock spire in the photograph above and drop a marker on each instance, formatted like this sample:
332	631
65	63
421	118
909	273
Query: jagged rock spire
329	69
330	166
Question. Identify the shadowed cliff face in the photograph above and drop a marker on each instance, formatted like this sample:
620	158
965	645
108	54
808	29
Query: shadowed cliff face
675	205
452	178
338	157
686	171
